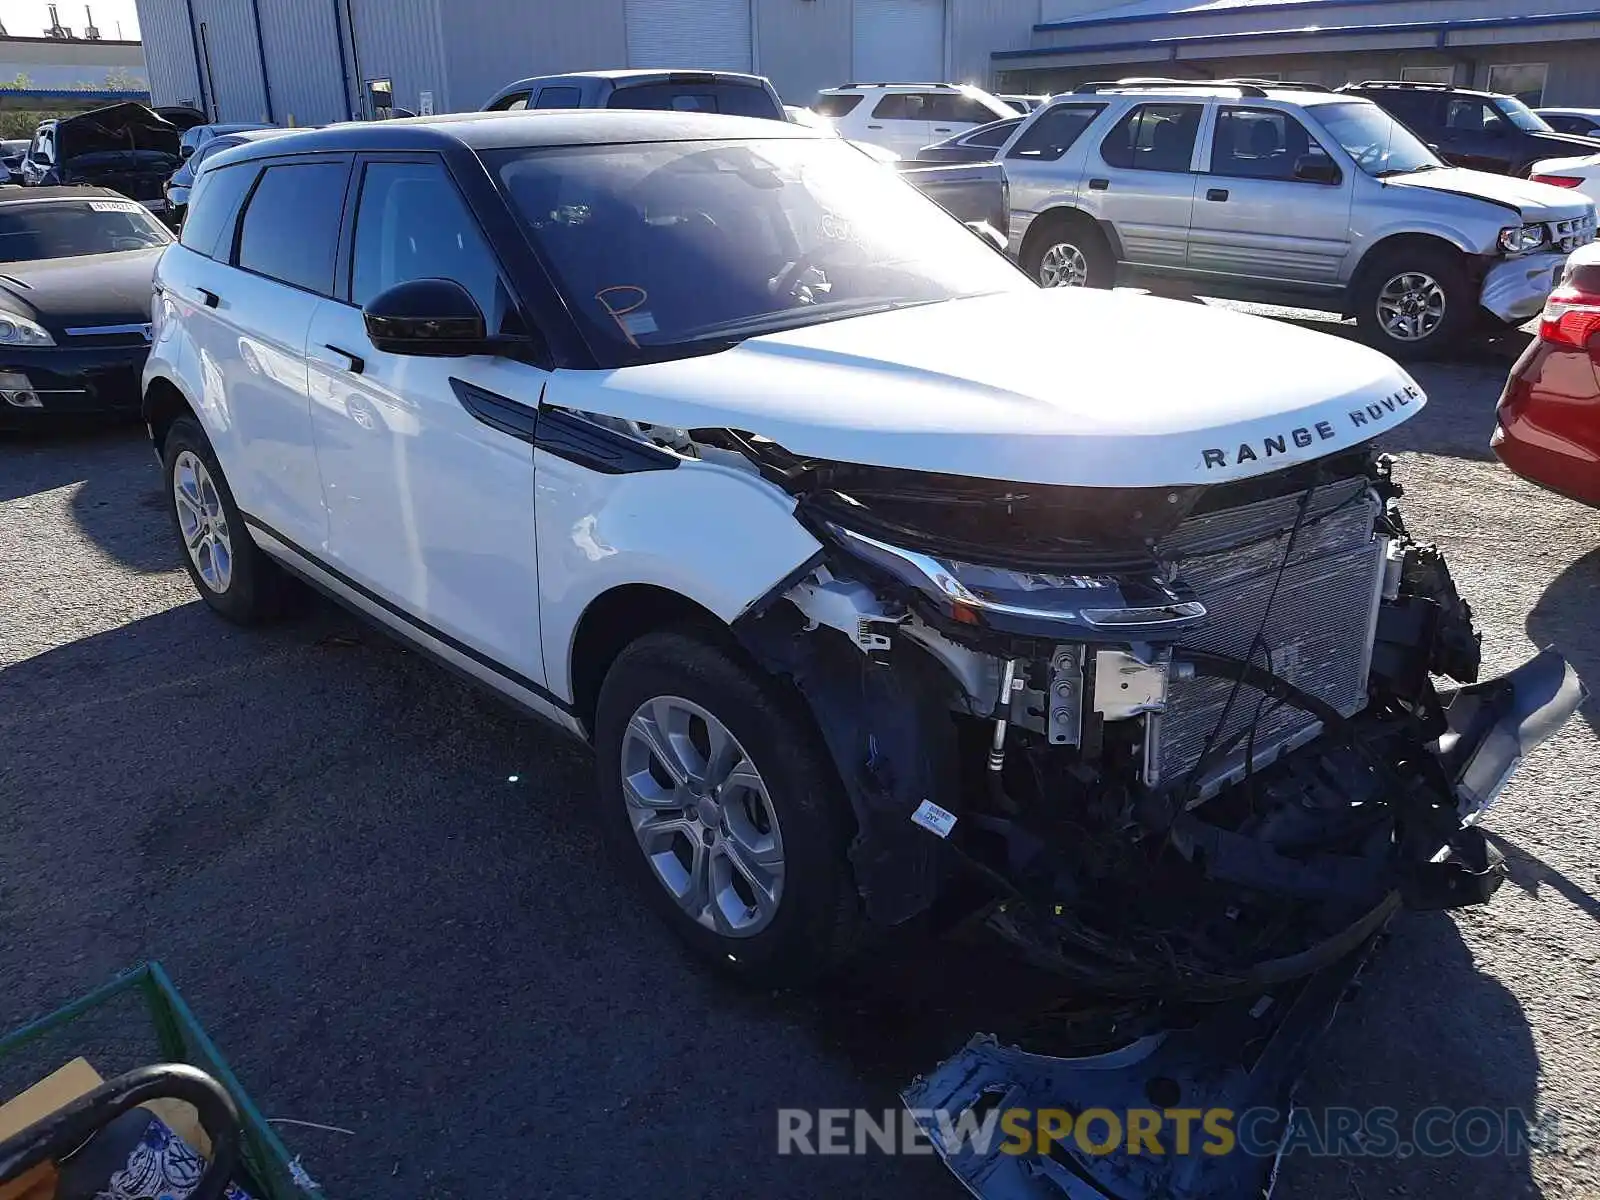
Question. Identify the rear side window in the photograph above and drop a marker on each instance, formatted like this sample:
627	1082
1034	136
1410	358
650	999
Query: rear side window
212	206
290	228
737	99
953	106
902	106
559	97
413	224
835	106
1053	133
1153	137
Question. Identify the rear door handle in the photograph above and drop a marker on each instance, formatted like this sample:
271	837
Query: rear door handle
1216	193
209	298
941	129
1099	185
354	363
874	126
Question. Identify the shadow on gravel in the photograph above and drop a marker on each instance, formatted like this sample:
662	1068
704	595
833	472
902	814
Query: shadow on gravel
1528	872
1564	617
41	460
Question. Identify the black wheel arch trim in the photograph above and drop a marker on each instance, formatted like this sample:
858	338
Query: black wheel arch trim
411	619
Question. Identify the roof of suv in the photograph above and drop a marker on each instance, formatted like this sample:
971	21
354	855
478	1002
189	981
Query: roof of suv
533	127
1408	85
1305	94
842	88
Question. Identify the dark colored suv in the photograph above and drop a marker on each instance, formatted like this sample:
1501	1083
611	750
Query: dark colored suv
1474	129
727	92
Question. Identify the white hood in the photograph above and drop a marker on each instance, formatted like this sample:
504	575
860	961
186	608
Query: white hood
1066	386
1536	201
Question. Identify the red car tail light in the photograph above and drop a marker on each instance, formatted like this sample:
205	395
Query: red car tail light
1558	180
1571	316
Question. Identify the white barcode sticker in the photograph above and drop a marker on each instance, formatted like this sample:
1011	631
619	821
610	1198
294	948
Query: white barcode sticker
934	819
114	206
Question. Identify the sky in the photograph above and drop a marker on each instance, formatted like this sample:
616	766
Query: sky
30	18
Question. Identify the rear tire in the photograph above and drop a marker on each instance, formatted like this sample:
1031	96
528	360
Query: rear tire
231	573
1415	301
1068	250
724	809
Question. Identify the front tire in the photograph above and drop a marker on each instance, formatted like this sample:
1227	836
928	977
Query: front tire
724	809
1415	302
229	570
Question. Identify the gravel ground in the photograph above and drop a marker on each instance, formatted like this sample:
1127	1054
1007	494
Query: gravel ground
384	897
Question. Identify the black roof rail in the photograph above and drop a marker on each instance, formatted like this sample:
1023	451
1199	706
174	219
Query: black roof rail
896	83
1244	89
1400	83
1287	85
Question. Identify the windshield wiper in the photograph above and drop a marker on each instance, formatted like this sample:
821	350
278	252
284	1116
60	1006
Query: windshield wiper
1409	170
782	322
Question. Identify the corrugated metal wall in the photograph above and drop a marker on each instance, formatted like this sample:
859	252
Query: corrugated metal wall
980	27
301	42
402	41
714	34
169	51
803	45
231	59
490	43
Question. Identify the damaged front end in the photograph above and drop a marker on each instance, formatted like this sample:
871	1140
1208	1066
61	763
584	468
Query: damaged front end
1169	743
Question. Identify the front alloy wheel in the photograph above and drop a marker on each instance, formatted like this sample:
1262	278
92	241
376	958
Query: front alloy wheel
702	816
1063	264
1411	306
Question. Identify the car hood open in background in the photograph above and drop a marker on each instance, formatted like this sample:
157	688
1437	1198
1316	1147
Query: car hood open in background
1061	386
96	289
127	126
1534	200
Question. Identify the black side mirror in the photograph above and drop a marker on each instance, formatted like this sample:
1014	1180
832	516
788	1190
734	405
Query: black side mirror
435	318
1316	168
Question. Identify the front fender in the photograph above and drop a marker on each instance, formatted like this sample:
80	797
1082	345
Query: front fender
714	534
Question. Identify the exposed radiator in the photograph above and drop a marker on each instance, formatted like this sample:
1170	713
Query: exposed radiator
1318	637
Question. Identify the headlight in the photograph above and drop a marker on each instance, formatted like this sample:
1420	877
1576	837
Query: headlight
1519	239
19	331
1024	601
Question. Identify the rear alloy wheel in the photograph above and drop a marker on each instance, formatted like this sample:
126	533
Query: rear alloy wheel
229	570
724	808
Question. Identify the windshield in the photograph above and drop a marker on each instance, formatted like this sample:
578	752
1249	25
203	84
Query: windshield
66	229
666	249
1520	115
1378	143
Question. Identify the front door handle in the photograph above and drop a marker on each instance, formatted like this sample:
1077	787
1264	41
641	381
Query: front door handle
1099	185
1217	194
941	129
354	363
874	126
209	298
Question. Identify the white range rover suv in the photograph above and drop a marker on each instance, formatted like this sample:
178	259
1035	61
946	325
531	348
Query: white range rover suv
691	435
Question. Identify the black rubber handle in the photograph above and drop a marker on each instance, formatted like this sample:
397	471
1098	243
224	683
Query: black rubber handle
1218	194
1099	185
65	1130
208	298
357	364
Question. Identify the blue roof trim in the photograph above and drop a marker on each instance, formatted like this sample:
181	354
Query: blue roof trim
1198	39
101	94
1141	18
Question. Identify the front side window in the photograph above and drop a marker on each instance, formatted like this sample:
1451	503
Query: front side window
70	228
1379	144
1052	134
212	206
669	249
1471	115
559	97
1261	143
413	224
1153	137
515	102
991	137
290	228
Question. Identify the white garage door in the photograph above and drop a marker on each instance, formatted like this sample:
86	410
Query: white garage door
713	35
899	41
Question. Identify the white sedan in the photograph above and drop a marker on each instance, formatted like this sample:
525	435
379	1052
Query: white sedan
1582	174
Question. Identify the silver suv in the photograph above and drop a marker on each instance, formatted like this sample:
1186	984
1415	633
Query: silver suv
1284	194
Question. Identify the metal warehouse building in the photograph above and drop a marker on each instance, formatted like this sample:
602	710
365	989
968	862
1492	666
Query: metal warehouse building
315	61
1546	51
